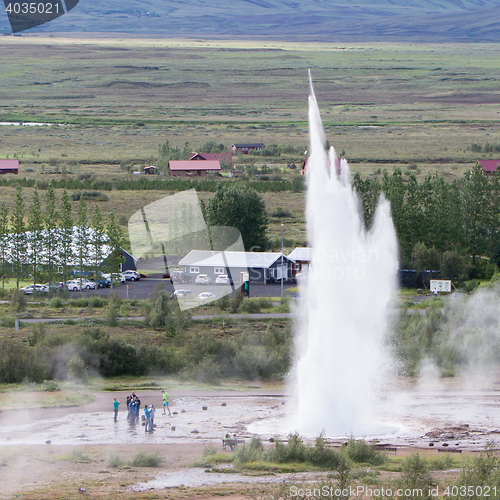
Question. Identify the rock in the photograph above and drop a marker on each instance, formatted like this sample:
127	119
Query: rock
195	431
271	440
172	428
283	402
183	411
204	408
445	444
223	404
431	444
175	413
48	441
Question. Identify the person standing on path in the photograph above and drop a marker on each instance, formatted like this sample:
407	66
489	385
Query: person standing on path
116	404
165	403
147	413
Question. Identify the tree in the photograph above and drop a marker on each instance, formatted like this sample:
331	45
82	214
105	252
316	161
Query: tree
18	254
474	190
35	233
65	234
97	240
51	217
240	207
82	237
4	239
116	240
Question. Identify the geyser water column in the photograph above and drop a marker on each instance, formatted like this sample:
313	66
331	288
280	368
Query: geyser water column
340	357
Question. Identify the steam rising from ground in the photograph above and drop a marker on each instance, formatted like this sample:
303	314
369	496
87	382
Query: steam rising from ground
465	335
340	357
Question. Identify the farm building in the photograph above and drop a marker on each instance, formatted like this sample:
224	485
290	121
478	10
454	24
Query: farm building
489	166
9	167
301	256
263	267
192	168
151	170
244	148
220	157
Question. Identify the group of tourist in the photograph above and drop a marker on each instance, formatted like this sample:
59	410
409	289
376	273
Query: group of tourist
134	408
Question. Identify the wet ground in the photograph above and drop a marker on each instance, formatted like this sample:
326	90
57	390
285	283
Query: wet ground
448	418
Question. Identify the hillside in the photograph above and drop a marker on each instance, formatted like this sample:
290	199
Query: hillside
310	20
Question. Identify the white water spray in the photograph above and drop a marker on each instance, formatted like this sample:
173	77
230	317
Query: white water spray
339	347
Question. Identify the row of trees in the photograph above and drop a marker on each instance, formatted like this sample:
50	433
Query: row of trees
462	217
42	239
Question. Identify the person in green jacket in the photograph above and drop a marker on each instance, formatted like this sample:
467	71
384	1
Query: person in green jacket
165	402
116	404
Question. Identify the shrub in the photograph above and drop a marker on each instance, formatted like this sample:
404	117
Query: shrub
50	386
115	460
77	368
293	451
18	301
251	452
358	450
143	459
56	303
414	477
37	334
249	306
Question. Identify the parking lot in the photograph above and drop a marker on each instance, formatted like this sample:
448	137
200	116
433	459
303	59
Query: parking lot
143	288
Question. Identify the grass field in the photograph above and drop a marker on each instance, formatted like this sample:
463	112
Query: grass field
417	107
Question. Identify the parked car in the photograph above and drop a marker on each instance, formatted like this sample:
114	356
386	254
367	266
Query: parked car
117	278
55	285
223	279
131	275
180	293
87	284
206	296
203	279
180	277
101	282
73	285
36	288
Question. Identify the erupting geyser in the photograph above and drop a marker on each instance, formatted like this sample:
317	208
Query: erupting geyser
340	357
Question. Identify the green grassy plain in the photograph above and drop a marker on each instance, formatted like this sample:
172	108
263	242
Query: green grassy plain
415	106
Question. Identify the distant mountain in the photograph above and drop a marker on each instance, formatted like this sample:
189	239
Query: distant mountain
321	20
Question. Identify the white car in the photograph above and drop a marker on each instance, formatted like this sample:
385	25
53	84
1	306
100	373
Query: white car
131	275
206	296
203	279
73	285
28	290
223	279
87	284
181	293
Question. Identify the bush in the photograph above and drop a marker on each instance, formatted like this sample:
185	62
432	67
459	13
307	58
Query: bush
50	386
251	452
249	306
143	459
115	460
37	334
414	477
56	303
293	451
18	302
362	452
77	368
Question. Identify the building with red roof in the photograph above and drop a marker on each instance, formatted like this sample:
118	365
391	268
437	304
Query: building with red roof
225	157
192	168
9	167
489	166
